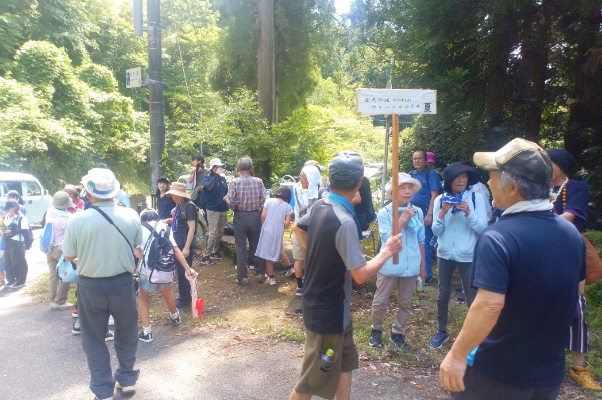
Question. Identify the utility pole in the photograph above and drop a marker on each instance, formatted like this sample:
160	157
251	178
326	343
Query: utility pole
266	70
155	89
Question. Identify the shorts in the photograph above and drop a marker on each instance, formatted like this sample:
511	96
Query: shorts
298	250
579	336
151	287
324	384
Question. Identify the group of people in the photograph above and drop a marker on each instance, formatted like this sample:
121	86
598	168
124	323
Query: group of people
523	276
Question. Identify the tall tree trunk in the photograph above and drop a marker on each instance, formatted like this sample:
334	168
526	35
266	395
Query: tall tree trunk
535	53
266	79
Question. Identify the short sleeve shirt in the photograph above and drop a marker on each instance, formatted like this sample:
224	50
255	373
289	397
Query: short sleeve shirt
327	288
102	252
181	233
536	259
577	199
423	197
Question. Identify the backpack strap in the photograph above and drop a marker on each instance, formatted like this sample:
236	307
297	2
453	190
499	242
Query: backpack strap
474	205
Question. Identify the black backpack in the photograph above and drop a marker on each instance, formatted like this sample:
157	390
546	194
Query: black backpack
27	233
160	254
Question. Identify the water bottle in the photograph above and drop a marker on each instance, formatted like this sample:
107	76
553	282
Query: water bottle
326	360
419	284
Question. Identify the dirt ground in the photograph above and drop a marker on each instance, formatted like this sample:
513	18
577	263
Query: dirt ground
256	323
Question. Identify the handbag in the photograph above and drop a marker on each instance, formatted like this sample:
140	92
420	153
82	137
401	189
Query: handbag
593	265
65	270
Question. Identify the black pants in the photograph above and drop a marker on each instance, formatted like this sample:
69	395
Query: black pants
183	283
479	386
15	262
97	298
247	225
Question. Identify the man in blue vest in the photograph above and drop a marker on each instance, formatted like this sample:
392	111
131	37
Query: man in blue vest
424	199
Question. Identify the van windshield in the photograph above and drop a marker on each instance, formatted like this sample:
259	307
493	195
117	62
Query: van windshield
6	186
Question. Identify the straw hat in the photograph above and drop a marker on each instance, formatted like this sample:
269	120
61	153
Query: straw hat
402	178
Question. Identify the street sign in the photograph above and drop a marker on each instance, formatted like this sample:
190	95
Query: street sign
395	101
133	77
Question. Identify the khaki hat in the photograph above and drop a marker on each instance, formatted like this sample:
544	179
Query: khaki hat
178	189
519	157
61	200
70	188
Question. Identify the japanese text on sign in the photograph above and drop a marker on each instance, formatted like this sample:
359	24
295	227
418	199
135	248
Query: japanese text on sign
396	101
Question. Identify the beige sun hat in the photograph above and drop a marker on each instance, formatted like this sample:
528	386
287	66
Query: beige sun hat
101	183
178	189
402	178
61	200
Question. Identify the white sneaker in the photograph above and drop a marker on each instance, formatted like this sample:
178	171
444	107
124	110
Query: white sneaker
290	272
111	320
272	281
125	389
57	306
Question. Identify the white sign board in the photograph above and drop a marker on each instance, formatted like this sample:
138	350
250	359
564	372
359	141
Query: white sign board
395	101
133	78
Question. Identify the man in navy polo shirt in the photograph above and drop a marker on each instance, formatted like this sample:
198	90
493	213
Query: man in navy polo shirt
424	199
528	269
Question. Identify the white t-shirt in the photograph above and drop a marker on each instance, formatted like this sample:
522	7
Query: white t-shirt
8	220
146	234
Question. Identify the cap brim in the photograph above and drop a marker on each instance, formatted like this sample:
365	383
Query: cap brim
485	161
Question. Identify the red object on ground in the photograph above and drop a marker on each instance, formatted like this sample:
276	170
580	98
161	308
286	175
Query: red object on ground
200	303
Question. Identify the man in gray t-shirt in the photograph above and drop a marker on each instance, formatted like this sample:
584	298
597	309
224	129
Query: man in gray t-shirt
332	224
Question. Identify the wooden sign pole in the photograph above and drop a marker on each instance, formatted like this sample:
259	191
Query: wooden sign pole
394	179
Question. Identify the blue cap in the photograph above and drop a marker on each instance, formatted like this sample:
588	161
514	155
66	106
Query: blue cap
346	165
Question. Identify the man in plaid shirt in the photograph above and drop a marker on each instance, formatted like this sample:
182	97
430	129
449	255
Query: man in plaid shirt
246	195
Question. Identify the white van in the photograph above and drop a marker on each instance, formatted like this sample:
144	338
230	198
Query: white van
37	200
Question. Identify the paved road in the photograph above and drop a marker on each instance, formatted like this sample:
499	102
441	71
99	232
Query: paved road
41	359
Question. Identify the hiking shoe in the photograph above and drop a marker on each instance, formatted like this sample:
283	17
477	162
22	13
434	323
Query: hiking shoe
177	320
428	281
109	336
76	330
438	340
145	338
216	256
207	261
582	377
98	398
299	292
111	320
17	285
398	340
290	273
74	314
56	306
242	281
376	338
125	389
272	281
260	278
461	296
459	289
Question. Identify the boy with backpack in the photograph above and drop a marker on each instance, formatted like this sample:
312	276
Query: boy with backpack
158	247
